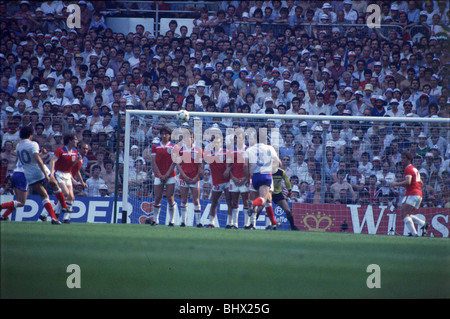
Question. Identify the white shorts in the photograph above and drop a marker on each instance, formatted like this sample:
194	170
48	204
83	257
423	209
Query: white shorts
186	185
35	175
170	180
221	187
64	178
239	189
412	200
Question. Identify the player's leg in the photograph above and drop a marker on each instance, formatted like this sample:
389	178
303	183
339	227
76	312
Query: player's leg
67	190
195	192
70	200
234	207
285	206
41	191
414	202
170	195
21	197
215	198
251	212
158	189
245	197
19	184
184	191
61	203
269	211
406	210
227	195
260	202
60	191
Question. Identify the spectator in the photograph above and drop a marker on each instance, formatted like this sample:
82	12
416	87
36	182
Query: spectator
94	182
61	80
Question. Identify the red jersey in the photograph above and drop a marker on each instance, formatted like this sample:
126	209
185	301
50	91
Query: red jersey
237	168
163	157
415	188
191	168
66	159
218	168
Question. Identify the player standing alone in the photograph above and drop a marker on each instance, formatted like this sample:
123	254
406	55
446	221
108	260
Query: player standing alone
216	157
413	195
239	184
164	169
191	168
31	167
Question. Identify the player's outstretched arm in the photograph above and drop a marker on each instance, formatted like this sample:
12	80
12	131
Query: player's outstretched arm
405	182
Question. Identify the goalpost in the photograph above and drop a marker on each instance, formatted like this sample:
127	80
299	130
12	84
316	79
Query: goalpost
287	134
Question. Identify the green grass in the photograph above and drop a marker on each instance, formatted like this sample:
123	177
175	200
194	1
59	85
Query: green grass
139	261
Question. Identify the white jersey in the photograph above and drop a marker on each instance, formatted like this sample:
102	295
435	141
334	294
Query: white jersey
19	167
262	159
25	151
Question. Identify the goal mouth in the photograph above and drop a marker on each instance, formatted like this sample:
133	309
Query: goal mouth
207	130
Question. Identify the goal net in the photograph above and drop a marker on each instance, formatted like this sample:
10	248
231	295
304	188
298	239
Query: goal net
336	170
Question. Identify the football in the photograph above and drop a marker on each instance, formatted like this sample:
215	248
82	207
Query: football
183	116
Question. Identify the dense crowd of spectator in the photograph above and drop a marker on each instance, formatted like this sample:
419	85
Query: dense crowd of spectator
266	57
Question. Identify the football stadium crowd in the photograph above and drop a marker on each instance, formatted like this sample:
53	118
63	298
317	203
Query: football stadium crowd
262	57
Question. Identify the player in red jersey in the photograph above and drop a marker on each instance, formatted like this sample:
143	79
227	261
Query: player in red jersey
413	195
239	184
164	170
61	166
190	169
216	157
83	149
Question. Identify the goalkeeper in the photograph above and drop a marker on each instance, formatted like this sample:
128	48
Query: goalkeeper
278	197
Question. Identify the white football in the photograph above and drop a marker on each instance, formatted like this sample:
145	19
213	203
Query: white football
183	116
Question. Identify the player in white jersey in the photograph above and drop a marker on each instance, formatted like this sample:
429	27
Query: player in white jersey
35	172
261	160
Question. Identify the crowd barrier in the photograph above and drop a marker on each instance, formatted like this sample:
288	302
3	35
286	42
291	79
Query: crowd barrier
308	217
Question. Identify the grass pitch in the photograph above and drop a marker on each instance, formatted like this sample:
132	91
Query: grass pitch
140	261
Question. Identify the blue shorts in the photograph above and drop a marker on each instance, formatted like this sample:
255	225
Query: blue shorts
259	180
19	181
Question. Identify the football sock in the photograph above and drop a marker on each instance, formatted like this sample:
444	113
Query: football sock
60	196
253	219
410	225
171	213
183	211
417	220
8	212
66	214
211	219
235	216
229	219
156	211
197	214
246	217
269	213
48	206
258	202
12	204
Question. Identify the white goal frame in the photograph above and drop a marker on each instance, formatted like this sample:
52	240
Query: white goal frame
130	113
